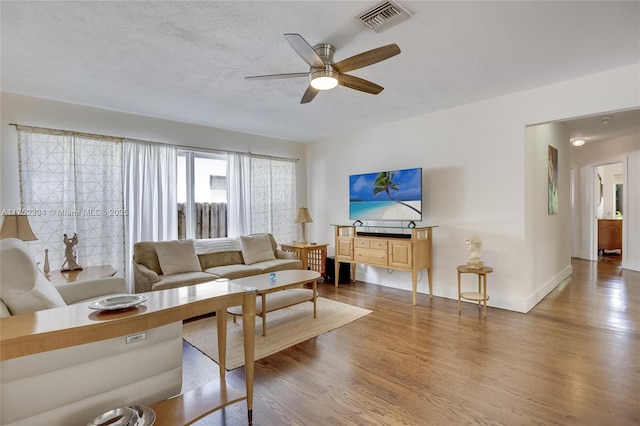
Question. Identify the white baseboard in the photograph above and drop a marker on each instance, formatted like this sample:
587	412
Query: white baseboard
542	292
633	266
583	255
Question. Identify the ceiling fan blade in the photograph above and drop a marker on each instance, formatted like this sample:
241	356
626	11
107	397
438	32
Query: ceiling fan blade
360	84
309	95
305	50
274	76
367	58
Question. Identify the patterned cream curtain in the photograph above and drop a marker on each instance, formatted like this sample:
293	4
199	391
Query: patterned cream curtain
273	197
70	183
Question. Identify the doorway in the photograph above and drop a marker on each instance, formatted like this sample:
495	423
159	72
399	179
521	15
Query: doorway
601	140
609	208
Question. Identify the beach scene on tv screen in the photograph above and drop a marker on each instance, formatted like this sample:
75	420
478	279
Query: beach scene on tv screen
388	195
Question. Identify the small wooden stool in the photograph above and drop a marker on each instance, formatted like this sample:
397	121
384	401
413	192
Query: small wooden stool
481	296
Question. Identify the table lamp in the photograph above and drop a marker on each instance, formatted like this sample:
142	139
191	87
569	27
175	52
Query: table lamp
17	226
303	218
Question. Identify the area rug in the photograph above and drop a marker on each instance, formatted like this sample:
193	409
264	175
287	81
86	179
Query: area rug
285	328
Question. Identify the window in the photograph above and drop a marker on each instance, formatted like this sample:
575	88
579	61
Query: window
202	195
203	200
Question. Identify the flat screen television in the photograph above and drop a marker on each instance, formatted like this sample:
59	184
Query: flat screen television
386	195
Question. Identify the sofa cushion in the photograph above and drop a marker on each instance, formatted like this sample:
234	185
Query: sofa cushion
281	254
278	265
256	248
181	280
24	289
234	271
177	256
216	245
210	260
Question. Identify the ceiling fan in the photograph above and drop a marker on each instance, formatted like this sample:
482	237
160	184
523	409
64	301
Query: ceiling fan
324	74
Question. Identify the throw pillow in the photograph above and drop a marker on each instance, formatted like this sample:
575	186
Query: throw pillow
177	256
256	248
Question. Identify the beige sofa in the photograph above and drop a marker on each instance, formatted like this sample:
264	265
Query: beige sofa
71	386
178	263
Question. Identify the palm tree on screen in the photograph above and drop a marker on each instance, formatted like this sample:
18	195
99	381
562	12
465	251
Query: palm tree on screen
384	182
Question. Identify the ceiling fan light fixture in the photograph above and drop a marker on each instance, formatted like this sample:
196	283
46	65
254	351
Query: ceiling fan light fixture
324	79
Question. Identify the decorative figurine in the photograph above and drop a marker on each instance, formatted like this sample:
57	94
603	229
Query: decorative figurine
70	253
474	244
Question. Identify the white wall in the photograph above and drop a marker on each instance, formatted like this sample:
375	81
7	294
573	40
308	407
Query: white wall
548	236
584	159
59	115
482	177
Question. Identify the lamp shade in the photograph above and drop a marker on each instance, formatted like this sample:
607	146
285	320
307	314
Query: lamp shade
17	226
303	215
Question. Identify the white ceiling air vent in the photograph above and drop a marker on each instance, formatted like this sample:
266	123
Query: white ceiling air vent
384	15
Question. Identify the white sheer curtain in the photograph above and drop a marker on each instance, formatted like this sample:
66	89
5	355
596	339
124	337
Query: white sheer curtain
238	194
150	172
70	183
273	197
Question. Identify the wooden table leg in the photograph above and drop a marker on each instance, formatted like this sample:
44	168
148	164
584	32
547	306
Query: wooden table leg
264	314
315	289
303	255
221	326
480	290
248	331
458	291
414	286
484	293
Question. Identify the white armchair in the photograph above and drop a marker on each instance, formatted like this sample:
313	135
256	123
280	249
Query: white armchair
71	386
24	289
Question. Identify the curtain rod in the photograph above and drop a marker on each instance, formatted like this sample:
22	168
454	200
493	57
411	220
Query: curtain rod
186	147
70	132
228	151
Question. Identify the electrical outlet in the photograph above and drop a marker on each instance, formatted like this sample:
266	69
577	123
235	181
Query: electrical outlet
136	337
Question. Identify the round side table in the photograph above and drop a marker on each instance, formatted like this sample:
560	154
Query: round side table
481	295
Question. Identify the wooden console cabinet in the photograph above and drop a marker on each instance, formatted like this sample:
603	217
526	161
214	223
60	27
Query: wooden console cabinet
406	254
610	234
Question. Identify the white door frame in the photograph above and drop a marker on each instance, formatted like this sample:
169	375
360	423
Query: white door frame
591	195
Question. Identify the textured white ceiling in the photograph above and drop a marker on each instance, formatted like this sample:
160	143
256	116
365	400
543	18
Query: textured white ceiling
185	61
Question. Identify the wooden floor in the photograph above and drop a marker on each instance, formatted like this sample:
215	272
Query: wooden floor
572	360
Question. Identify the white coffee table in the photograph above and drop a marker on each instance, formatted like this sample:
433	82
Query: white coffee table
286	290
